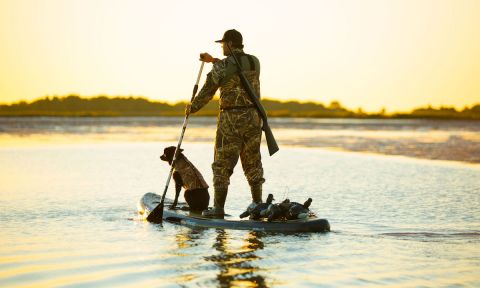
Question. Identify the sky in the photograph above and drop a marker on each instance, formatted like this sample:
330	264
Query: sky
372	54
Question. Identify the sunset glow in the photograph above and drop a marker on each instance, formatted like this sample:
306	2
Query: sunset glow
370	54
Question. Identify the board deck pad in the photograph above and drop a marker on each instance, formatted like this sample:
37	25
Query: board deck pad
181	215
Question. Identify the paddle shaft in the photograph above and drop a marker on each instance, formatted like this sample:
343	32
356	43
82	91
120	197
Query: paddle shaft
184	127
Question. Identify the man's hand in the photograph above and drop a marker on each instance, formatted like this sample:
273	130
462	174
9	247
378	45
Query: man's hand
188	108
205	57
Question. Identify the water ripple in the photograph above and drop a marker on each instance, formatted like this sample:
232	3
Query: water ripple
395	222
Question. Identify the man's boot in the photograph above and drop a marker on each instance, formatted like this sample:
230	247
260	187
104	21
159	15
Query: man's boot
219	198
256	193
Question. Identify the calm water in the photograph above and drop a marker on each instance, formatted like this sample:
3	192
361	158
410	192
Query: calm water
68	213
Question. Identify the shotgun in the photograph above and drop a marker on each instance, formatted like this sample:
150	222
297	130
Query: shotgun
271	143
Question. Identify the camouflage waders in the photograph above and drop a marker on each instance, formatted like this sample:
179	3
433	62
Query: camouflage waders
239	129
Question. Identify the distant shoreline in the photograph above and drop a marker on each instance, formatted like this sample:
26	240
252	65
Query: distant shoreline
102	106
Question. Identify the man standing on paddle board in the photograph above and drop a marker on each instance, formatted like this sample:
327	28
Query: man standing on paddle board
239	127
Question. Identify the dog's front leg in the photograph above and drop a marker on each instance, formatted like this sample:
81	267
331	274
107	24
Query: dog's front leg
178	188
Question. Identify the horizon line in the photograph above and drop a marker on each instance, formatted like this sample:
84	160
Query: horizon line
216	97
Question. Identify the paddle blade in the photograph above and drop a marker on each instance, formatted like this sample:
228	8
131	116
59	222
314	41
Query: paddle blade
156	216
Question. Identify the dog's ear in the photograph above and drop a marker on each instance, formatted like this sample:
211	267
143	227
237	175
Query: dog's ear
172	149
169	151
180	154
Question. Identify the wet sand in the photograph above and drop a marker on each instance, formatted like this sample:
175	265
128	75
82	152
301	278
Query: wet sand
452	140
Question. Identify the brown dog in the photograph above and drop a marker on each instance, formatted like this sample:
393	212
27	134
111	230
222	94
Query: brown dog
187	176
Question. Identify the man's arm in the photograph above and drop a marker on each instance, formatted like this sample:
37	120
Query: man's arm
206	94
211	85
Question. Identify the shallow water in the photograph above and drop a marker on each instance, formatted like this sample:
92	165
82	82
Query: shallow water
68	219
457	140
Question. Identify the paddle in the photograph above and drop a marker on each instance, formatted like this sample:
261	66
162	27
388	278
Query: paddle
156	216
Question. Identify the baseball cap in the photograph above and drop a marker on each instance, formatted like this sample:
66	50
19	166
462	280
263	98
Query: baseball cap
232	35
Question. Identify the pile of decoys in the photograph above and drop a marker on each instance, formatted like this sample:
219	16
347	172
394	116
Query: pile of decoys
285	210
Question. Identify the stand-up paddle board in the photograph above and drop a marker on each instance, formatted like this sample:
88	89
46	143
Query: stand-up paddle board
182	216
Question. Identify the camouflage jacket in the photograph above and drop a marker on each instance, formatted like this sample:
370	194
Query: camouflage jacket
224	76
191	177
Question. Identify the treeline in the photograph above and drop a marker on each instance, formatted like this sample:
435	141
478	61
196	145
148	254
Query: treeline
74	105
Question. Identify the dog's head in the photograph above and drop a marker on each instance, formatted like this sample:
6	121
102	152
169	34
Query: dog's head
168	154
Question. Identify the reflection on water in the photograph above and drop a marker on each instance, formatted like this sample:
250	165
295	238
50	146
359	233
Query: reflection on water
234	262
235	265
